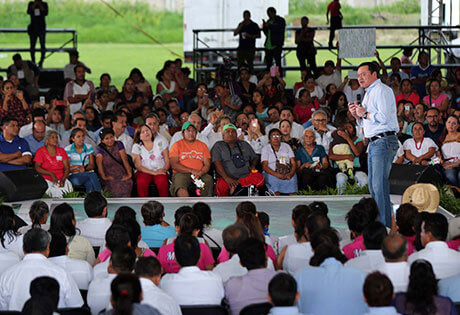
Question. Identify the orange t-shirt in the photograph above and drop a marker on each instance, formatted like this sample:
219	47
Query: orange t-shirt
190	155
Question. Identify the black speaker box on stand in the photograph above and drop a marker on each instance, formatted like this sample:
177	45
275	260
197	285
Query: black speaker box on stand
25	184
404	175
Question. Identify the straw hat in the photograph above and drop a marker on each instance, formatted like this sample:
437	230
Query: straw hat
425	197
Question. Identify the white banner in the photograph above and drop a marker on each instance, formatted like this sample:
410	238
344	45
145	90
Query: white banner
357	43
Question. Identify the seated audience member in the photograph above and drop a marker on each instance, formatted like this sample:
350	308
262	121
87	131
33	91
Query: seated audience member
38	114
201	102
113	166
407	92
35	264
210	234
233	236
378	294
190	157
445	261
186	223
148	269
279	165
256	136
82	162
405	220
141	84
36	139
195	120
119	126
305	107
433	127
14	104
402	136
286	128
151	159
96	225
371	256
235	162
316	92
154	122
312	164
274	115
126	297
58	118
357	220
420	149
130	96
273	88
192	286
229	103
451	151
288	113
10	239
331	74
283	295
419	116
155	229
328	287
395	64
258	107
53	163
78	90
69	73
436	98
422	293
394	250
14	151
78	122
121	261
44	296
63	221
352	90
79	270
38	214
252	287
299	210
337	103
213	130
449	287
323	131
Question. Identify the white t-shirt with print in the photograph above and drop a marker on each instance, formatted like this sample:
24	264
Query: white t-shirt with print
425	146
284	155
153	159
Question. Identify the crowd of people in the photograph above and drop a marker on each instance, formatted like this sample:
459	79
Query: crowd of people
122	267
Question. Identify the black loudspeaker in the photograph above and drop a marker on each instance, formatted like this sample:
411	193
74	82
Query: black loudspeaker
404	175
22	184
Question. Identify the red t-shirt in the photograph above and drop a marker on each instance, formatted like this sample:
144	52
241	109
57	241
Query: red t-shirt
303	114
414	98
334	8
54	164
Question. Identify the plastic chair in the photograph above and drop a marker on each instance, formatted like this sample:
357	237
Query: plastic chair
203	310
256	309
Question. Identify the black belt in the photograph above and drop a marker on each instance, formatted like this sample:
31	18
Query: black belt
381	135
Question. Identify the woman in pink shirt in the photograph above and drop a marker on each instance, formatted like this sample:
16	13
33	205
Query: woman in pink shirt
435	98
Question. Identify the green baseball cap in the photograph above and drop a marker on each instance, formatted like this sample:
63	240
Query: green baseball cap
188	124
231	126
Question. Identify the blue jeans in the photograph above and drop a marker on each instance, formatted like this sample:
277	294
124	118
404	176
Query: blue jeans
379	159
453	176
88	179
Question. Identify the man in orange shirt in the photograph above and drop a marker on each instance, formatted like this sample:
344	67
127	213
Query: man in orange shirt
188	157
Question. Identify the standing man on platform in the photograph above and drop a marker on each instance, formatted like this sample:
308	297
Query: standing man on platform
305	47
37	10
248	31
336	19
274	31
377	115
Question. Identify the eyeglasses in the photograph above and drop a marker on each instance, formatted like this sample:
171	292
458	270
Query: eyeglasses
184	118
319	120
276	136
201	89
435	116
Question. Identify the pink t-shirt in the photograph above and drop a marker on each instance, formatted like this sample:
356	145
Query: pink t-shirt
454	244
167	258
435	102
224	256
410	244
105	254
355	248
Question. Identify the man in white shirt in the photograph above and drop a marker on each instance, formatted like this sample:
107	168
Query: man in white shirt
80	270
7	259
97	224
331	75
122	260
78	90
378	294
195	119
297	129
15	281
445	261
149	271
323	131
69	73
38	114
233	236
192	286
394	249
119	123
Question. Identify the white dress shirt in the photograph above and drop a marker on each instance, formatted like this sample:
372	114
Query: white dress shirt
178	136
157	298
297	257
127	142
100	270
8	259
94	230
230	268
445	261
80	270
367	261
99	293
15	282
325	138
285	241
192	286
398	272
14	245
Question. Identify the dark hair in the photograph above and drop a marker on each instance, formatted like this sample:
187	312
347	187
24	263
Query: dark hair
233	235
378	290
299	210
282	289
95	203
189	222
152	212
253	224
203	211
137	134
187	250
105	75
126	290
319	206
422	289
74	131
317	221
104	132
7	229
58	244
288	108
37	212
264	218
272	131
106	115
123	259
358	218
390	250
138	72
252	254
300	224
271	9
124	213
62	220
370	65
116	236
405	216
44	297
133	228
6	121
147	266
38	112
419	218
374	234
78	66
371	207
245	207
325	244
36	240
437	225
180	212
435	109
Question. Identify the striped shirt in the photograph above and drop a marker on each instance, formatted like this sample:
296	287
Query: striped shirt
79	158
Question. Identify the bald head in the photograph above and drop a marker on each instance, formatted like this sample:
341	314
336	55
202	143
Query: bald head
38	130
394	248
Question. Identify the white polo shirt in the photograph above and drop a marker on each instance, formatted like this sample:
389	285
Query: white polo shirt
99	293
94	230
7	260
157	298
398	272
367	261
80	270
